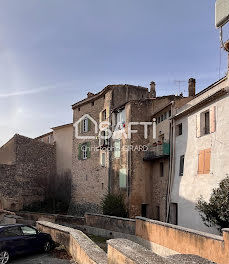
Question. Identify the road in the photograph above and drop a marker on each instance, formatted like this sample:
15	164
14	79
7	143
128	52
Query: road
40	259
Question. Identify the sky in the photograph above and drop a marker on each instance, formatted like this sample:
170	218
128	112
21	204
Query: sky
52	52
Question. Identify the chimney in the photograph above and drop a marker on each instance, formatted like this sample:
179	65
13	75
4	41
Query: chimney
191	87
152	93
90	94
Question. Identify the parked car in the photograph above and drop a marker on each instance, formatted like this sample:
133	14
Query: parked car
22	239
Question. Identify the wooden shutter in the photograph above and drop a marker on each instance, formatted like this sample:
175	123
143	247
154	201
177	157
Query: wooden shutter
207	161
88	150
89	124
198	132
80	151
213	119
201	162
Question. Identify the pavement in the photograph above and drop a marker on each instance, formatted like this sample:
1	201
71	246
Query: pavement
40	259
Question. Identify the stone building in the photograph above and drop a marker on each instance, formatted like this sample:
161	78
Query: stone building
119	164
61	136
200	153
91	162
24	162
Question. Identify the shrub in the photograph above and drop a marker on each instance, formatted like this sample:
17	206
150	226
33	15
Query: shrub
216	211
113	204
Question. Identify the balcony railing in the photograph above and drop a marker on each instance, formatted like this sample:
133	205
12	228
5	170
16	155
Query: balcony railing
157	152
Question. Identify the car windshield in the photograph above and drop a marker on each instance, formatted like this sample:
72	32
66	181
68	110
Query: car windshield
27	230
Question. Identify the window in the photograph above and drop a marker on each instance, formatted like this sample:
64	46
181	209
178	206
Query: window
28	231
104	115
162	118
117	148
121	118
161	169
144	210
104	141
206	123
165	115
85	125
84	151
170	113
204	161
179	129
79	109
122	178
103	159
159	120
181	172
11	232
92	103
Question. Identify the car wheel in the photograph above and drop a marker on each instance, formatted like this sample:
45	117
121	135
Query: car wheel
4	257
47	246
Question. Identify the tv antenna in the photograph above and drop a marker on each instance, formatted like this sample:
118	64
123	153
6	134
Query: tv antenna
221	19
179	82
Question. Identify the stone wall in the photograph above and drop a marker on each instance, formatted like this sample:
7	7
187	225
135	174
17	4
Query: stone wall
81	248
112	223
24	181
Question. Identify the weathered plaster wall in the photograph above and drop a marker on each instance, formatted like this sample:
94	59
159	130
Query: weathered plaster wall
188	188
63	138
185	241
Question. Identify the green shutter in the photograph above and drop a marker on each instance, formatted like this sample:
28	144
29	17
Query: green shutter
89	124
80	151
122	178
88	150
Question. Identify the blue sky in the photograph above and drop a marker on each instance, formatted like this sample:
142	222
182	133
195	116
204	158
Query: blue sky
53	52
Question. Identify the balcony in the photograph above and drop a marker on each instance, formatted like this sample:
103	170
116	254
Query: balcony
157	152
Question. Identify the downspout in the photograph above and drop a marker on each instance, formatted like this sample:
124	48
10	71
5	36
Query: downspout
171	162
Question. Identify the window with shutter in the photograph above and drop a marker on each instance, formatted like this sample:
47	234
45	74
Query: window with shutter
122	178
204	161
181	173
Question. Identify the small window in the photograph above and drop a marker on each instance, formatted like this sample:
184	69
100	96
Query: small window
85	125
181	173
117	148
159	120
79	109
28	231
92	103
144	210
102	185
206	123
122	178
170	113
161	169
103	159
162	118
179	129
204	161
104	115
165	115
84	151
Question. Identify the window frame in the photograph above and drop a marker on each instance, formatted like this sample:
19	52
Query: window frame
181	168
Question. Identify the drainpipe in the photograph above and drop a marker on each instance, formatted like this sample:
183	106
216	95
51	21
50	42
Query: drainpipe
171	161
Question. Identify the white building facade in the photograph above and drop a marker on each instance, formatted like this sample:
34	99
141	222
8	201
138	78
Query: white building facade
200	153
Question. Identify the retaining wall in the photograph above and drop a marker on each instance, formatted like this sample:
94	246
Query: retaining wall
82	249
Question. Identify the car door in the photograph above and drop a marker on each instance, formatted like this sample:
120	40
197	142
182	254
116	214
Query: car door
31	238
12	240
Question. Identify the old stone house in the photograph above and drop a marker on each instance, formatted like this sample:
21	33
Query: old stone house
117	164
200	153
24	162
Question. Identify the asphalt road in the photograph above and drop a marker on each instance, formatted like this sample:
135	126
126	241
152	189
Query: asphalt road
40	259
